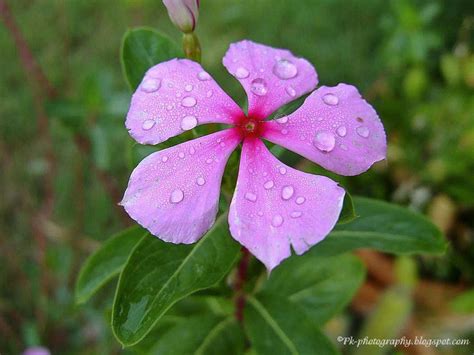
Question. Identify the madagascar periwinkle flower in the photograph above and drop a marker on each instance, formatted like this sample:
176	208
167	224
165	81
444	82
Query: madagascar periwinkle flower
183	13
174	192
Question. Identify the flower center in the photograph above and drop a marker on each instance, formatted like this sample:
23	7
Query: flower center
250	127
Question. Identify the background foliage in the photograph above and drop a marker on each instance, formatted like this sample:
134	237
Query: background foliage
412	59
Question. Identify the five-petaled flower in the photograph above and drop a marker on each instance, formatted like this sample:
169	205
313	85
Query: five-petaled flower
174	192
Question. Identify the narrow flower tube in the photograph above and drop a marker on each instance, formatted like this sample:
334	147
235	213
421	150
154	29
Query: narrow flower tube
183	13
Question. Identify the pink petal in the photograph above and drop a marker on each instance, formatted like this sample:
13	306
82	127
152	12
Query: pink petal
336	128
174	193
174	97
271	77
275	206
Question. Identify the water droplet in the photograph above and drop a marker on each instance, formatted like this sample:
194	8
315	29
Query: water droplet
177	196
188	122
284	131
200	181
209	161
331	99
284	69
290	91
209	94
148	124
324	141
300	200
189	101
222	144
203	76
282	170
241	73
268	185
363	131
189	88
287	192
192	150
164	159
282	120
295	214
181	155
342	131
259	87
251	197
277	220
150	85
169	107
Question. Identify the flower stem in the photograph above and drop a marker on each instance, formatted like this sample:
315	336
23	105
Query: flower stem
192	47
239	285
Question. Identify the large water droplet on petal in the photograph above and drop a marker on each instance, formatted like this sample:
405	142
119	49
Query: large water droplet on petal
363	131
150	85
284	69
200	181
287	192
188	122
300	200
203	76
189	101
241	73
331	99
277	220
259	87
251	196
268	185
282	170
177	196
148	124
324	141
342	131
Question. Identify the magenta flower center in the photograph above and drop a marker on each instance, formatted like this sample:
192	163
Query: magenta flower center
250	127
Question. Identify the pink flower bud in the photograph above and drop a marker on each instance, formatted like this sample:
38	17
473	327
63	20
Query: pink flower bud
183	13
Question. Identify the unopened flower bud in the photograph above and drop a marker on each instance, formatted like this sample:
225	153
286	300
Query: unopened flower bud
183	13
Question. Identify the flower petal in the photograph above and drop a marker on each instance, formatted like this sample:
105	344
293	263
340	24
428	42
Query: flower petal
275	206
336	128
271	77
174	193
174	97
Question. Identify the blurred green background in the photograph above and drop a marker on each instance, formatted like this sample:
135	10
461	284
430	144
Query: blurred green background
66	156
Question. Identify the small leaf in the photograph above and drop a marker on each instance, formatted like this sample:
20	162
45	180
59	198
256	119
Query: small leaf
322	286
106	262
386	227
277	326
348	212
202	335
141	49
158	274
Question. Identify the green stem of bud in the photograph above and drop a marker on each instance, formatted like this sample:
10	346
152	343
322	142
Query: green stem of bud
191	47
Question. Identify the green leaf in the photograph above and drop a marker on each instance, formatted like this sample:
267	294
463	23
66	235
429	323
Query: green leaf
386	227
348	212
106	262
158	274
141	49
277	326
321	286
202	335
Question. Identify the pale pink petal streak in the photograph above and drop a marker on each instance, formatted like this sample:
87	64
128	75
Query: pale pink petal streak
174	193
336	128
173	97
271	77
275	207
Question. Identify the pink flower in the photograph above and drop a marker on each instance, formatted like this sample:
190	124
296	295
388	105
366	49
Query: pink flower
174	192
183	13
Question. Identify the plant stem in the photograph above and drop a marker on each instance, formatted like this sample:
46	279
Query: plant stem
239	284
192	47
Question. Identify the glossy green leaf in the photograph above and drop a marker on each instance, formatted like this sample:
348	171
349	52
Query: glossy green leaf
202	335
106	262
386	227
348	212
322	286
141	49
158	274
278	326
